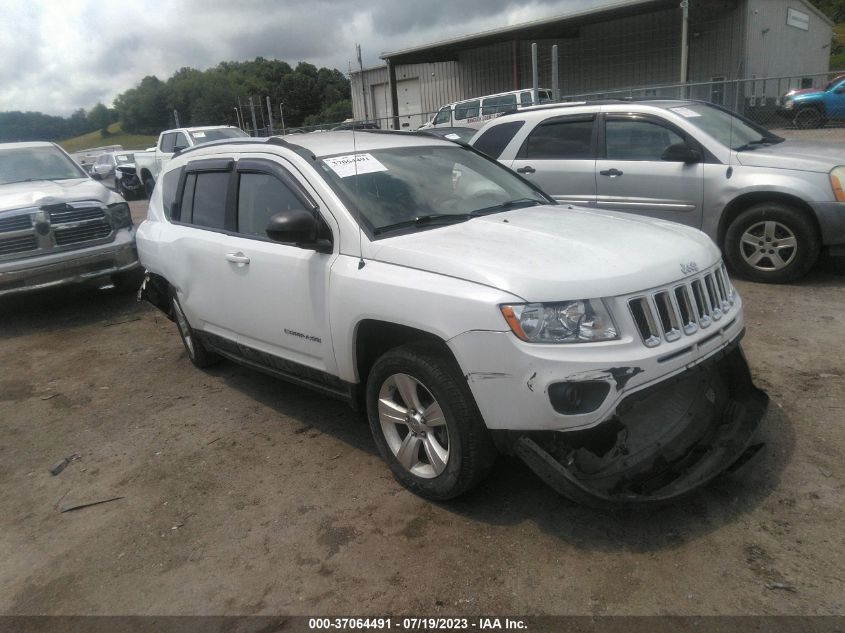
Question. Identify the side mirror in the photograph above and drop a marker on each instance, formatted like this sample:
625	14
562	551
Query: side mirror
681	153
297	227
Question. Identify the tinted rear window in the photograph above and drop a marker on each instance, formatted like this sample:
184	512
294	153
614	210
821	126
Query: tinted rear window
209	204
560	139
494	140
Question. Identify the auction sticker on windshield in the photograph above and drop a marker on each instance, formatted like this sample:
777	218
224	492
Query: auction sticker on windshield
354	164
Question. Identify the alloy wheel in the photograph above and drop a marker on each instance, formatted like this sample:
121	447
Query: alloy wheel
768	246
414	426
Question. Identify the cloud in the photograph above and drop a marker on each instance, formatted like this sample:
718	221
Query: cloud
57	56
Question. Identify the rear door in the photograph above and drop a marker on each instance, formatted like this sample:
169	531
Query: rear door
200	219
559	156
631	175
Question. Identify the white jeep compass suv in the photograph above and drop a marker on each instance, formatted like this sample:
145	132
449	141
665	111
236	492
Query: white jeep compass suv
463	308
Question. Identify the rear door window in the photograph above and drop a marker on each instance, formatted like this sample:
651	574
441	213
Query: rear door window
560	139
203	202
494	140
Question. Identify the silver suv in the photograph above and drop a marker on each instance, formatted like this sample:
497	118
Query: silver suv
769	203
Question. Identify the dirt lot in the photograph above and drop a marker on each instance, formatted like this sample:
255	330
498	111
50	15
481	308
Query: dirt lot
244	495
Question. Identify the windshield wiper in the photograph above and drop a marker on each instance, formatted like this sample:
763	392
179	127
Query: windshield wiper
755	144
510	204
435	219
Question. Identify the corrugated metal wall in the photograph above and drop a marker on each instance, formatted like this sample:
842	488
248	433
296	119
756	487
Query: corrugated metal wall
440	83
640	50
774	48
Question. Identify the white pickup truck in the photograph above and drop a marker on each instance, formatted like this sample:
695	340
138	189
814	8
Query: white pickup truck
462	308
149	164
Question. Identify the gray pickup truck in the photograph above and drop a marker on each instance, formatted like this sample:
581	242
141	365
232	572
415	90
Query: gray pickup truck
58	226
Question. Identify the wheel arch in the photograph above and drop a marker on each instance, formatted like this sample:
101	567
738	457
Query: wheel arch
157	291
749	199
375	337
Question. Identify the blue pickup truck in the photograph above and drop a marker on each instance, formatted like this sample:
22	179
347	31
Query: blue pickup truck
813	107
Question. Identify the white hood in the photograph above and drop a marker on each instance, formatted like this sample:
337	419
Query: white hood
40	192
554	253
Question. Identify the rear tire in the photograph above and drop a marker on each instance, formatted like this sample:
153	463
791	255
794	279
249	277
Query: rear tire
149	185
198	353
772	242
436	445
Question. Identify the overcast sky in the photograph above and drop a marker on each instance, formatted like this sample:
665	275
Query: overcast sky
60	55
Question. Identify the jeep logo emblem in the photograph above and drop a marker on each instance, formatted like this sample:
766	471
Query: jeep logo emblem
690	268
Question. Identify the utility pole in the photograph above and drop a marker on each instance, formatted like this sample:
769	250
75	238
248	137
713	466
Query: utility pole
269	116
555	75
282	116
535	75
684	44
252	113
363	87
176	117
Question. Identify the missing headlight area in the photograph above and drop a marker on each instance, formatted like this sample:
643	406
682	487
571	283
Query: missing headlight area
662	442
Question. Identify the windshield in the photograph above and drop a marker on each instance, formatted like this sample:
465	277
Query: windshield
417	187
206	136
36	163
730	130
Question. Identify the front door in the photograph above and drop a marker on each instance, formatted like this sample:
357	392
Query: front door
558	156
632	176
276	294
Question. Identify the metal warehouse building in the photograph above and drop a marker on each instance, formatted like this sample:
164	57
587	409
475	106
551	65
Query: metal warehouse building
624	44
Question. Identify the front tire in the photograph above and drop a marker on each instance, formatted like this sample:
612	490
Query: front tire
772	242
149	185
425	422
199	355
809	119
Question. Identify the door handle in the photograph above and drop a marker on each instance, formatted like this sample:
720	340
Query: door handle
528	169
237	258
613	173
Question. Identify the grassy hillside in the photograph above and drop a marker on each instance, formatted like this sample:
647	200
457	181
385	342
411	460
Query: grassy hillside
115	137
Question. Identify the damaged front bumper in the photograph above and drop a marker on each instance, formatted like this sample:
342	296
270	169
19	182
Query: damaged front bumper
662	443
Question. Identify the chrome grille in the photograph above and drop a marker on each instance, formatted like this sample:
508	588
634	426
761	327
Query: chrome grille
667	314
15	223
81	233
69	214
22	244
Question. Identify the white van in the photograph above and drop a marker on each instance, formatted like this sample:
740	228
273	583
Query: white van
477	111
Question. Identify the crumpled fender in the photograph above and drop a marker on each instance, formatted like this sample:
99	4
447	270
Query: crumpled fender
663	443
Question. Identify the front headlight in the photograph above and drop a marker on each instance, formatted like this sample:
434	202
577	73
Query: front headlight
583	321
837	180
788	104
121	215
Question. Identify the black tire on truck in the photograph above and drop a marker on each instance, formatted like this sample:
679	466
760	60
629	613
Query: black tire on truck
772	242
809	118
149	185
425	422
128	281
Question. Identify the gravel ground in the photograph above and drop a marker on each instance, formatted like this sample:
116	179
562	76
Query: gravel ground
240	494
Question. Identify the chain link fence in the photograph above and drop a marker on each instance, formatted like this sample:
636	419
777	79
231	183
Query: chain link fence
761	99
